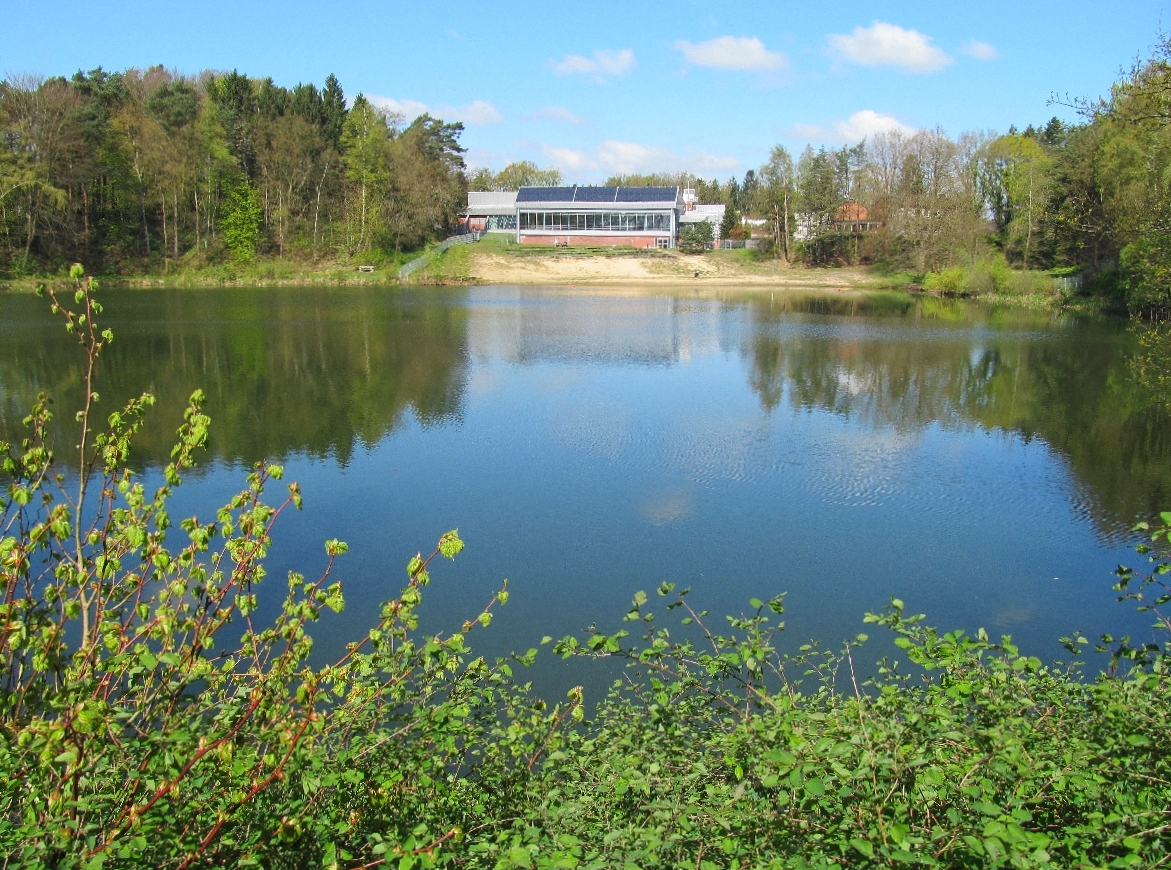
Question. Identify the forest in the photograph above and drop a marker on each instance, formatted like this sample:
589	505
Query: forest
130	171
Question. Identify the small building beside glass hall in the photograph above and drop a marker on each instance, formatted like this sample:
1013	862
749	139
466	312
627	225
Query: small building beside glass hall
639	217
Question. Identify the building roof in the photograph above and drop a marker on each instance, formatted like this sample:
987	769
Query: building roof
852	211
595	196
482	203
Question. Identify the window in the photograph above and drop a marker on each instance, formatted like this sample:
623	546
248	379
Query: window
623	222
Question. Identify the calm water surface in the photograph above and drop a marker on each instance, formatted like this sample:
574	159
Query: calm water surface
983	465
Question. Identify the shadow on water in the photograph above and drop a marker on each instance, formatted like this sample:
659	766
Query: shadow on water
296	371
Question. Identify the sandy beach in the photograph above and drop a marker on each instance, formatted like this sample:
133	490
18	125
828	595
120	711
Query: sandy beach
490	267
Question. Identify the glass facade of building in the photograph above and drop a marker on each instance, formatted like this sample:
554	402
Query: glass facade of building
628	222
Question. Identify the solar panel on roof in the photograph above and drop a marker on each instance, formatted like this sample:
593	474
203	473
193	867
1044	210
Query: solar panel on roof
647	194
545	194
596	194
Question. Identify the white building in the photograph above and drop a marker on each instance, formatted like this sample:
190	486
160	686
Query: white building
641	217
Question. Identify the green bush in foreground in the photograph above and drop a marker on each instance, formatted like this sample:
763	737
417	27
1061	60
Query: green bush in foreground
148	720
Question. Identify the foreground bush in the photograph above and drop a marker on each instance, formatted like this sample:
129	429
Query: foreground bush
148	720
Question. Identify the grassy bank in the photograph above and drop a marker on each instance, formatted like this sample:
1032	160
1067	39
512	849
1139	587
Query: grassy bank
262	272
496	259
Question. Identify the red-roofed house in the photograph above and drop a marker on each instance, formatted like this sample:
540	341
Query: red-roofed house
853	217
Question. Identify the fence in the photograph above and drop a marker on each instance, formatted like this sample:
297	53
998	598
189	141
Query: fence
1067	284
419	262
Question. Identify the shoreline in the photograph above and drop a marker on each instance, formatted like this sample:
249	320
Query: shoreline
466	266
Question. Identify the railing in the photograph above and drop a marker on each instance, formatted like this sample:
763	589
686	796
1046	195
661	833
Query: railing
419	262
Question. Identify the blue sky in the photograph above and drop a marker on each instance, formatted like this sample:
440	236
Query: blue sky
601	87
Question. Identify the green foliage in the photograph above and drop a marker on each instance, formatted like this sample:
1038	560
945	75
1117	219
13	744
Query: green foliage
696	238
730	222
989	275
523	173
950	282
150	718
1145	273
241	222
127	168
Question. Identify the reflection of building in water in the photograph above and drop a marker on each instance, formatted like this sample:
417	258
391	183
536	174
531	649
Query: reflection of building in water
513	325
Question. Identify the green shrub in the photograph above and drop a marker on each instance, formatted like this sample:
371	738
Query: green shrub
950	282
1001	275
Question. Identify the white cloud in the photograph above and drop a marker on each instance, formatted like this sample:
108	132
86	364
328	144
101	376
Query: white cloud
733	52
409	109
616	157
981	50
568	158
884	44
860	125
603	63
557	113
477	112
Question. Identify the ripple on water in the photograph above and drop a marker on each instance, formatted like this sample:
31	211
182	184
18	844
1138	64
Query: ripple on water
718	448
668	506
855	469
596	429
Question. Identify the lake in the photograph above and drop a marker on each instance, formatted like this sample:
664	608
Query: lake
985	465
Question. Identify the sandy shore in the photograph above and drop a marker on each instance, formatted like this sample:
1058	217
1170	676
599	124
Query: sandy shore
492	268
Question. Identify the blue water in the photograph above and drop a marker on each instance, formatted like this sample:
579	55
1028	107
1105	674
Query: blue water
983	466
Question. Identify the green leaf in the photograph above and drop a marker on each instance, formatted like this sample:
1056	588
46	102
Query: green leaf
781	757
862	846
450	544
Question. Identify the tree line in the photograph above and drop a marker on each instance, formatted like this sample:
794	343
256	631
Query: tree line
125	170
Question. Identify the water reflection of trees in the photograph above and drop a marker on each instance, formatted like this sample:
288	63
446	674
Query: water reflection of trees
283	371
1072	388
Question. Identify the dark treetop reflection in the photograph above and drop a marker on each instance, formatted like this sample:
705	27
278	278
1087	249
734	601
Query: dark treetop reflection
291	372
591	444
